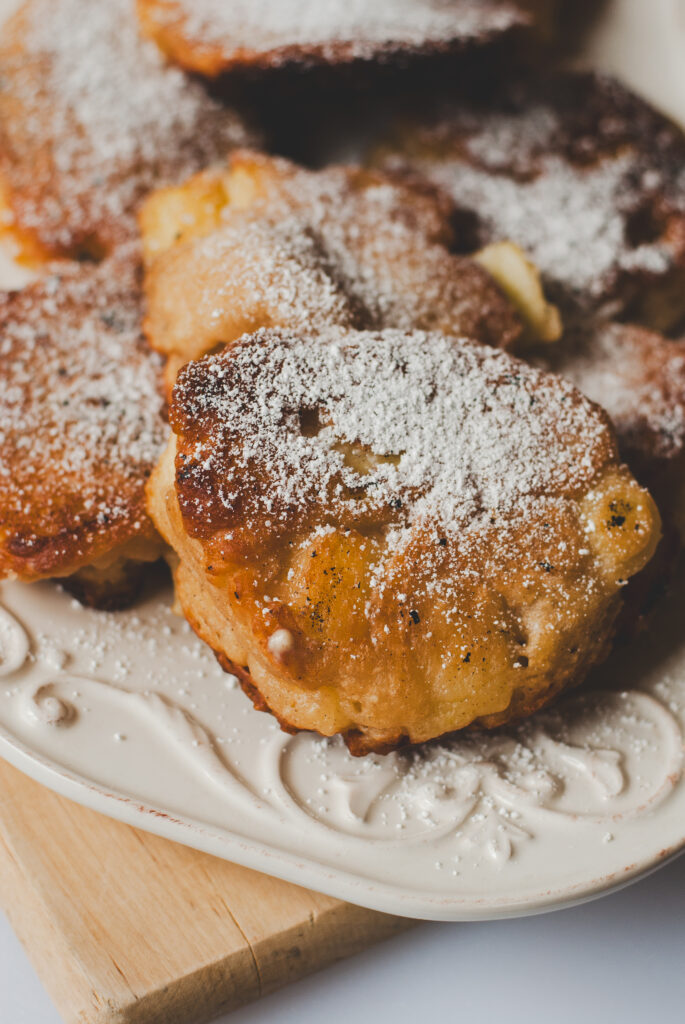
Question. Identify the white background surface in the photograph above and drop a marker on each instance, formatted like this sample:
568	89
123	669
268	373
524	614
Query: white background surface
619	959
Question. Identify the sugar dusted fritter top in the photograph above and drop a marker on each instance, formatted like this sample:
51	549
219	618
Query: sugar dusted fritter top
582	174
265	243
453	434
81	418
91	118
211	36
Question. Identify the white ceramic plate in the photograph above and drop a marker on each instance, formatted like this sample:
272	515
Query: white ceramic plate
130	715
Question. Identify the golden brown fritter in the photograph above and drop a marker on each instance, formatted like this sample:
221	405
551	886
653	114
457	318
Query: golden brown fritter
395	535
266	243
90	120
586	177
211	36
81	427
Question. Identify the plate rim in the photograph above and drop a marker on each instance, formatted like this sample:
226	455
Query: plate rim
310	873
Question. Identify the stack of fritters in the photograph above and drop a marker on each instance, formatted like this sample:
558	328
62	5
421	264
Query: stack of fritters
386	534
383	521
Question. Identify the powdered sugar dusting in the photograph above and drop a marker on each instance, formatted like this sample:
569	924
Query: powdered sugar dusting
283	264
571	221
333	246
362	25
116	118
456	431
577	171
81	414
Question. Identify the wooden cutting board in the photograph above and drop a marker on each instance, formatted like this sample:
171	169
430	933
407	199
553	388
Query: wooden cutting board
127	928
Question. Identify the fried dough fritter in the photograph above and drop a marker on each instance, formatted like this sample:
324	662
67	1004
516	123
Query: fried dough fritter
265	243
395	535
586	177
91	119
212	37
81	427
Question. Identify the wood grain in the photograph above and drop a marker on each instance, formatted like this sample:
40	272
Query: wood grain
123	926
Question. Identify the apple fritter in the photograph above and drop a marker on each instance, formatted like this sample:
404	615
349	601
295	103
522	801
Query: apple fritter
394	535
586	177
265	243
91	118
211	36
82	423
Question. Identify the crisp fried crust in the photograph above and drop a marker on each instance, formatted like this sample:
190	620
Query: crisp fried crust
582	174
211	37
395	535
81	426
267	243
90	120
